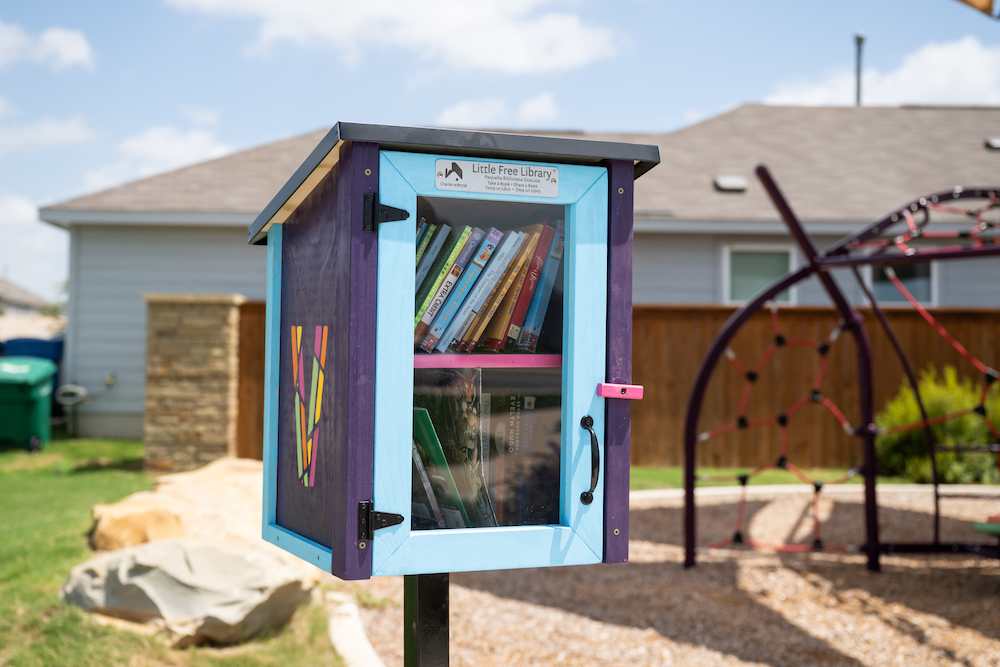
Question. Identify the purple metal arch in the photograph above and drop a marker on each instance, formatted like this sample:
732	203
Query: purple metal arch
818	264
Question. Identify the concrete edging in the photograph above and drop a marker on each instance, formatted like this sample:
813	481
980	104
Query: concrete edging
347	634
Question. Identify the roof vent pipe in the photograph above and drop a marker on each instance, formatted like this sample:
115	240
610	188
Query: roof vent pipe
859	39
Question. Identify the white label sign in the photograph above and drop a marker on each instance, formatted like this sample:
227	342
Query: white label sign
497	178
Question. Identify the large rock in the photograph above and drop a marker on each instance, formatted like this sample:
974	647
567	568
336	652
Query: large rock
222	499
219	592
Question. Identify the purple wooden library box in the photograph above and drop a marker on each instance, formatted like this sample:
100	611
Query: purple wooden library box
448	370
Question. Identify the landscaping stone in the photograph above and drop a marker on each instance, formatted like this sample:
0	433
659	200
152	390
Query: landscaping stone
199	591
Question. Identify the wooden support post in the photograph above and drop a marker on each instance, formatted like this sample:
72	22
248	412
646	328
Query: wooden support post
425	620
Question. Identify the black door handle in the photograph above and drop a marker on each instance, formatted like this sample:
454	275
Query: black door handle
587	497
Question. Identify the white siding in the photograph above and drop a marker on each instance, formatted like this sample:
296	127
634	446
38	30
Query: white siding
111	268
687	268
969	282
675	268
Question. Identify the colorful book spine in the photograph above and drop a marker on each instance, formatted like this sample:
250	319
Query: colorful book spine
425	482
423	240
525	514
440	235
540	301
512	459
502	256
445	269
532	276
444	318
437	267
455	271
494	335
448	498
468	338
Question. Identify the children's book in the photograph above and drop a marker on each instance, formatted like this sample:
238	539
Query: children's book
438	269
502	257
453	400
424	511
450	280
494	335
492	303
512	460
421	239
527	446
528	339
433	249
438	471
443	319
532	275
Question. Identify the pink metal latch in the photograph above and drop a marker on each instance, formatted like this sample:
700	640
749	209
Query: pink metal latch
608	390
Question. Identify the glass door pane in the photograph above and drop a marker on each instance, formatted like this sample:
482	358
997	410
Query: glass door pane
488	340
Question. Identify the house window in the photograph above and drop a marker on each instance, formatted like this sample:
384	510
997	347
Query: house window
917	278
751	269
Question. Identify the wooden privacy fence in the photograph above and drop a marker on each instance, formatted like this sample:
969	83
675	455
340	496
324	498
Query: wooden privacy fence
669	343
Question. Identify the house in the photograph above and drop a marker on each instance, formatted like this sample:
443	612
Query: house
705	231
17	300
179	232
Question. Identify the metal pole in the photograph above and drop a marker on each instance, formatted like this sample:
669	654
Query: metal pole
859	39
425	620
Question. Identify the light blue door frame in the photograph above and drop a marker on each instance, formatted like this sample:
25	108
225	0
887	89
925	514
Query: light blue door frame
578	539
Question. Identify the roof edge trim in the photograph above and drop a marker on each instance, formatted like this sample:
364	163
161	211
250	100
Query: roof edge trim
437	140
67	218
319	163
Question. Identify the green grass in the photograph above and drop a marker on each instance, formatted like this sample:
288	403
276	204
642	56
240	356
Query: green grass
45	504
652	477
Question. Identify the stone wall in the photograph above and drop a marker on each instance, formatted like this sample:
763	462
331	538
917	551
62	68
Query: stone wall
192	376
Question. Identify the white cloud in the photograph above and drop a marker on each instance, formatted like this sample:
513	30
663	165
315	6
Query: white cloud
960	72
155	150
58	48
495	112
538	110
489	112
42	134
508	36
33	254
200	116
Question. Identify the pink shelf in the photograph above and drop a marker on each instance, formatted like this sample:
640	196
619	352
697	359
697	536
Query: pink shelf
487	360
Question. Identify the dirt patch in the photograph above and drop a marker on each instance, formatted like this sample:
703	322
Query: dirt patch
738	607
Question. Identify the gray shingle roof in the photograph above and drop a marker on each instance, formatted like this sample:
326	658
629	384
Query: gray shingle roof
241	182
834	163
18	296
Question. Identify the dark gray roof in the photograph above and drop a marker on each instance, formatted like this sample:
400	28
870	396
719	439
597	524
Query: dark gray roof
834	163
18	296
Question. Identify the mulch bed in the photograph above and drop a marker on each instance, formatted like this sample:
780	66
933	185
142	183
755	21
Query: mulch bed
739	606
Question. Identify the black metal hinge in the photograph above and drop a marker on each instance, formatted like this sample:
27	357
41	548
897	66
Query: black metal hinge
369	520
376	213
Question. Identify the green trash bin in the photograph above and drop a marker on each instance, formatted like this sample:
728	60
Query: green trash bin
25	400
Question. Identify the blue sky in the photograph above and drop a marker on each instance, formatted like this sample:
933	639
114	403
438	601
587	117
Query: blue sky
93	94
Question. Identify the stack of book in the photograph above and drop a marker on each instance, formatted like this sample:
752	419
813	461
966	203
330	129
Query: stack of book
482	459
484	291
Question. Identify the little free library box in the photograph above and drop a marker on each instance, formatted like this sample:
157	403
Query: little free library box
449	330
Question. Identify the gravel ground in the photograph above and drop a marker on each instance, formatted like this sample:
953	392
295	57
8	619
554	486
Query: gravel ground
738	607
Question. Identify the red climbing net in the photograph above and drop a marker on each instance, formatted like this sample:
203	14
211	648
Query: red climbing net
981	234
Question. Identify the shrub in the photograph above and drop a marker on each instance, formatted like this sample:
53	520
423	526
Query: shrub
905	454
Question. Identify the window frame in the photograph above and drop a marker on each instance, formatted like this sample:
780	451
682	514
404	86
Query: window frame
868	274
729	248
